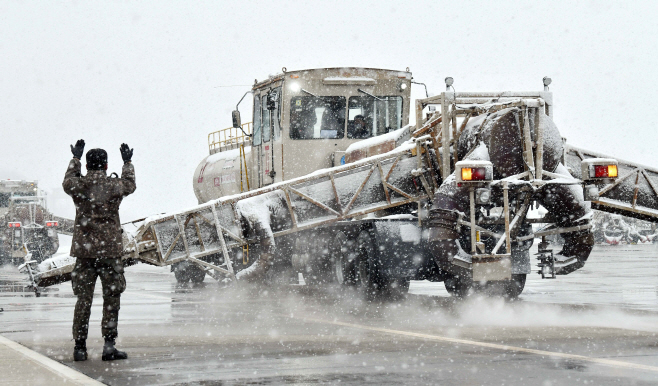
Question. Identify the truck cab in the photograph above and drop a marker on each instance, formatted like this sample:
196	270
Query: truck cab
302	121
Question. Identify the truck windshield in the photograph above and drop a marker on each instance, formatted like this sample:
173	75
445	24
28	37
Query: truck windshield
321	117
369	117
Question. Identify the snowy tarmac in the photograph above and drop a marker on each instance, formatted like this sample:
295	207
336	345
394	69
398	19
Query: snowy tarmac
596	326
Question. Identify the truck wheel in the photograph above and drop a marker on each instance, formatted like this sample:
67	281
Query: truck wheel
514	287
320	268
373	284
345	271
458	286
368	282
196	273
181	273
366	256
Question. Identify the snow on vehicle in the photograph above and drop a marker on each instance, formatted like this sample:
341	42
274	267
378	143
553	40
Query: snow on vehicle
27	225
615	229
444	200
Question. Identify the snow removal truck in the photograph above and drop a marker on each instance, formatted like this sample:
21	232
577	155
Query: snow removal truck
27	225
330	181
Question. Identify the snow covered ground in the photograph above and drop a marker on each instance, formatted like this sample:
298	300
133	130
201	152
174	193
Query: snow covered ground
560	332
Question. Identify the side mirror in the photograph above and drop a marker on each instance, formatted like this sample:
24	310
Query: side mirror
271	101
237	123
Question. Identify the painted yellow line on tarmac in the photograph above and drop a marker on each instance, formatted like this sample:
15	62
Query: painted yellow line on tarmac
44	363
438	338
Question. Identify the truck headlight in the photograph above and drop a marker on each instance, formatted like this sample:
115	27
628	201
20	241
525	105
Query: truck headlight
590	193
482	196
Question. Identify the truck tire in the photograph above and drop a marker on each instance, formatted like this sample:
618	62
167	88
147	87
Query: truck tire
372	281
196	273
514	287
320	269
181	275
367	271
345	271
458	286
181	272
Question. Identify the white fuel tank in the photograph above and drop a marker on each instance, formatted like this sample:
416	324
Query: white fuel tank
220	174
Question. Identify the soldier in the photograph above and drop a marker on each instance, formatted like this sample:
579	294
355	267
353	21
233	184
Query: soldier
97	242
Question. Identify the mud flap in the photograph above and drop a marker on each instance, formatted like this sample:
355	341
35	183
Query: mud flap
492	268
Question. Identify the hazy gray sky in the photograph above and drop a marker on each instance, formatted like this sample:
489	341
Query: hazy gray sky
153	74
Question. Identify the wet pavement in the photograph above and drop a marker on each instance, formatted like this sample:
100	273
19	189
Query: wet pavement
597	326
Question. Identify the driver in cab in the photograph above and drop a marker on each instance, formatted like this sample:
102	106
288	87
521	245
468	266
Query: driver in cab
358	128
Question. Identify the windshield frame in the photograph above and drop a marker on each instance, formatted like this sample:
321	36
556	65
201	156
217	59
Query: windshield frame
257	132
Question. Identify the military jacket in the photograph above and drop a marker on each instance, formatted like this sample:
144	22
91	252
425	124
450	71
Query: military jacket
97	230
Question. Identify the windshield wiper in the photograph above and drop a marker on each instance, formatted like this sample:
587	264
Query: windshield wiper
370	95
309	93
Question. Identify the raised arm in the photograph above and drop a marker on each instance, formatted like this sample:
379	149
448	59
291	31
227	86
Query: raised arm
128	171
73	172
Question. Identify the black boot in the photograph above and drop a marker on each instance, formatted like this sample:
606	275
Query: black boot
80	350
110	352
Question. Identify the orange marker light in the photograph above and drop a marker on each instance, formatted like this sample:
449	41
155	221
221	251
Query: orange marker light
467	174
612	171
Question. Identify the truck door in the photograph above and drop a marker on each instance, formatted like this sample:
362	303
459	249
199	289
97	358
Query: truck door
271	132
266	147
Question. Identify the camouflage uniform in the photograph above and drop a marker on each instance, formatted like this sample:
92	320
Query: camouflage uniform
83	279
97	242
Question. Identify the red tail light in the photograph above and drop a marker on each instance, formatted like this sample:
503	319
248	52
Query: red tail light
605	171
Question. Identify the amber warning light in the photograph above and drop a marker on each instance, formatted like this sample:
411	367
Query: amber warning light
14	225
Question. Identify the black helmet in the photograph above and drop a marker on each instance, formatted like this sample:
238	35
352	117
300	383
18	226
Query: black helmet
96	159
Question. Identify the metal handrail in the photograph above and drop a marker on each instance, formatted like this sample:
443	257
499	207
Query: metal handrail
229	138
243	161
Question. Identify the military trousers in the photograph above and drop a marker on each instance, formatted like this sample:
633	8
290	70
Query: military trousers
83	279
